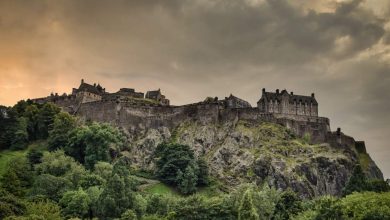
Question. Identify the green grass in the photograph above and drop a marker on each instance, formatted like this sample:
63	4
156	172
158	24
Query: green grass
7	155
161	189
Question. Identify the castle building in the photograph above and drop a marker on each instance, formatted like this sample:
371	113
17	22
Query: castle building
88	93
157	96
288	103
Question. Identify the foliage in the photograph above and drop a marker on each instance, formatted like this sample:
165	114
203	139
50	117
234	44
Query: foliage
44	209
10	205
358	182
177	166
75	203
62	126
17	177
116	197
367	205
34	157
92	143
20	136
288	205
49	186
171	159
129	215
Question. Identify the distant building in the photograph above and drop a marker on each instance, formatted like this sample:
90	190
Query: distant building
157	96
288	103
234	102
88	93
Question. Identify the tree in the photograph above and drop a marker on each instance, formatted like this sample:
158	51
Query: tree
129	215
75	203
17	177
43	209
328	208
357	182
288	205
51	187
187	181
34	157
46	118
20	137
171	159
116	197
10	205
103	169
92	143
247	211
62	126
203	173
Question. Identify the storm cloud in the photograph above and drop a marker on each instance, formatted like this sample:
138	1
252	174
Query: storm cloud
192	49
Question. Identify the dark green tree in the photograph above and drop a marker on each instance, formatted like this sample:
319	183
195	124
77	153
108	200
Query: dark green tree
10	204
203	173
187	181
170	159
75	204
17	177
288	205
20	137
92	143
116	198
247	210
357	182
51	187
63	124
46	118
34	157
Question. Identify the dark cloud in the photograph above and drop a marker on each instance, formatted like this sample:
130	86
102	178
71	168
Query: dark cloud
193	49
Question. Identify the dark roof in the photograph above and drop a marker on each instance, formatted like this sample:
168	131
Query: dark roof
89	88
153	93
292	98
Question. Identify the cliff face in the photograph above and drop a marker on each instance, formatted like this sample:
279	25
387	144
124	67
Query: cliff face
244	151
243	145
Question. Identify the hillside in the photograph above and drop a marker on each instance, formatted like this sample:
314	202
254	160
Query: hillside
242	152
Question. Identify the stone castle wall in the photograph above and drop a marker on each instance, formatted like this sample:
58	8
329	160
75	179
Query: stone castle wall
133	118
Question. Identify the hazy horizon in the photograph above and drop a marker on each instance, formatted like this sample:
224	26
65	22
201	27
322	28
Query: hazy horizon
337	49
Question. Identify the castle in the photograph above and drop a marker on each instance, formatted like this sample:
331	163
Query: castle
134	112
285	103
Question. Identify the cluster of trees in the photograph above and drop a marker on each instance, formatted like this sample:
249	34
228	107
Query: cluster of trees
25	122
81	175
177	166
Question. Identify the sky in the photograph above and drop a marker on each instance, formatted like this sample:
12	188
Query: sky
191	49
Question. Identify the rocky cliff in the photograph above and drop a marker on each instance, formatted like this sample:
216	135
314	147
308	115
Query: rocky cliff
242	145
244	151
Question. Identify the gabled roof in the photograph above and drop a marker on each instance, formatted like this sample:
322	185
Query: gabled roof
292	98
89	88
153	93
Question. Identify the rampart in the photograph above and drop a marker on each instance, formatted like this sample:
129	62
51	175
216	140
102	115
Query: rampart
137	117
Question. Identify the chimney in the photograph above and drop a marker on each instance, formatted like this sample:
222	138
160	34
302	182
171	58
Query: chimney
277	91
312	95
291	93
263	90
82	81
338	131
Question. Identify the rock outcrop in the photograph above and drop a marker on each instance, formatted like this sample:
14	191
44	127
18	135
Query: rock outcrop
248	151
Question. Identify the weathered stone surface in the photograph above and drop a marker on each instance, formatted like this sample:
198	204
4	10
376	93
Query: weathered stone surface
243	151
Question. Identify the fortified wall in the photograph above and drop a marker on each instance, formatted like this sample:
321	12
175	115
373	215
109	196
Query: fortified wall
133	112
133	118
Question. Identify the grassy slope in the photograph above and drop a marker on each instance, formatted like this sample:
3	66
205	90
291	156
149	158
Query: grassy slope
7	155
